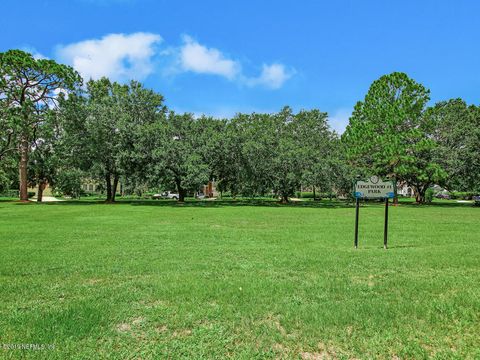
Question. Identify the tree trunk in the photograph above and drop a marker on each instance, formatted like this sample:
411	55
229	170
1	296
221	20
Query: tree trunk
181	191
108	181
420	194
181	195
395	193
314	196
115	185
420	199
41	186
22	169
284	198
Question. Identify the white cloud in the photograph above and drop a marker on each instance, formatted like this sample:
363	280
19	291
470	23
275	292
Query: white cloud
272	76
201	59
117	56
339	120
123	57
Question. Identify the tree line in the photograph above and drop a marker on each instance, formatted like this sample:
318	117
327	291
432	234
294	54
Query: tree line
57	130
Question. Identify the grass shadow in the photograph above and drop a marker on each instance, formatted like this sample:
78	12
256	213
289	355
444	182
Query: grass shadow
201	203
249	202
402	246
271	203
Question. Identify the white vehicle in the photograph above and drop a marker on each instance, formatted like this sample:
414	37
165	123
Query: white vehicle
167	195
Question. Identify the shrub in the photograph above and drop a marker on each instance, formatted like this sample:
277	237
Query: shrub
88	193
9	193
463	195
429	195
69	183
318	195
305	194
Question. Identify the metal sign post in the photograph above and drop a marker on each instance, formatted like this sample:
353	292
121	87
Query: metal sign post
373	188
357	207
385	227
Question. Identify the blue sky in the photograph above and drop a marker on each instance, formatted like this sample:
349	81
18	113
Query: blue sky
220	57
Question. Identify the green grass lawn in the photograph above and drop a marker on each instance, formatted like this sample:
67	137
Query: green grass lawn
213	280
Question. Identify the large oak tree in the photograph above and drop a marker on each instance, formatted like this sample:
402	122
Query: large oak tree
104	129
457	133
177	150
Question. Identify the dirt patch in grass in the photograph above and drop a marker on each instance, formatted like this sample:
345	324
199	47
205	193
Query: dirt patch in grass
182	333
161	329
151	304
365	280
273	322
94	281
124	327
131	326
324	352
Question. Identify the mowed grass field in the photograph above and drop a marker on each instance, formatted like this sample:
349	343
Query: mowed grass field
217	280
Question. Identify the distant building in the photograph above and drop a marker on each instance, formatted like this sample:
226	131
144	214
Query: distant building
90	186
210	189
47	190
403	189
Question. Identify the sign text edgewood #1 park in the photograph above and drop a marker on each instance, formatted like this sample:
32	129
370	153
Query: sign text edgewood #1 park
374	188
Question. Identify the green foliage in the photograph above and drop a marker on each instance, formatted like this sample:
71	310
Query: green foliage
390	134
46	73
45	158
69	183
9	172
457	132
429	195
253	139
29	88
177	153
322	157
463	195
9	193
122	132
317	195
381	126
105	129
276	153
9	130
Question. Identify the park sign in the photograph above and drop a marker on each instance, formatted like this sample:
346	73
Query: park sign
374	188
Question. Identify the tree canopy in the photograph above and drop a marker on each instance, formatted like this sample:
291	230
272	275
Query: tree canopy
389	134
28	88
456	129
61	133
